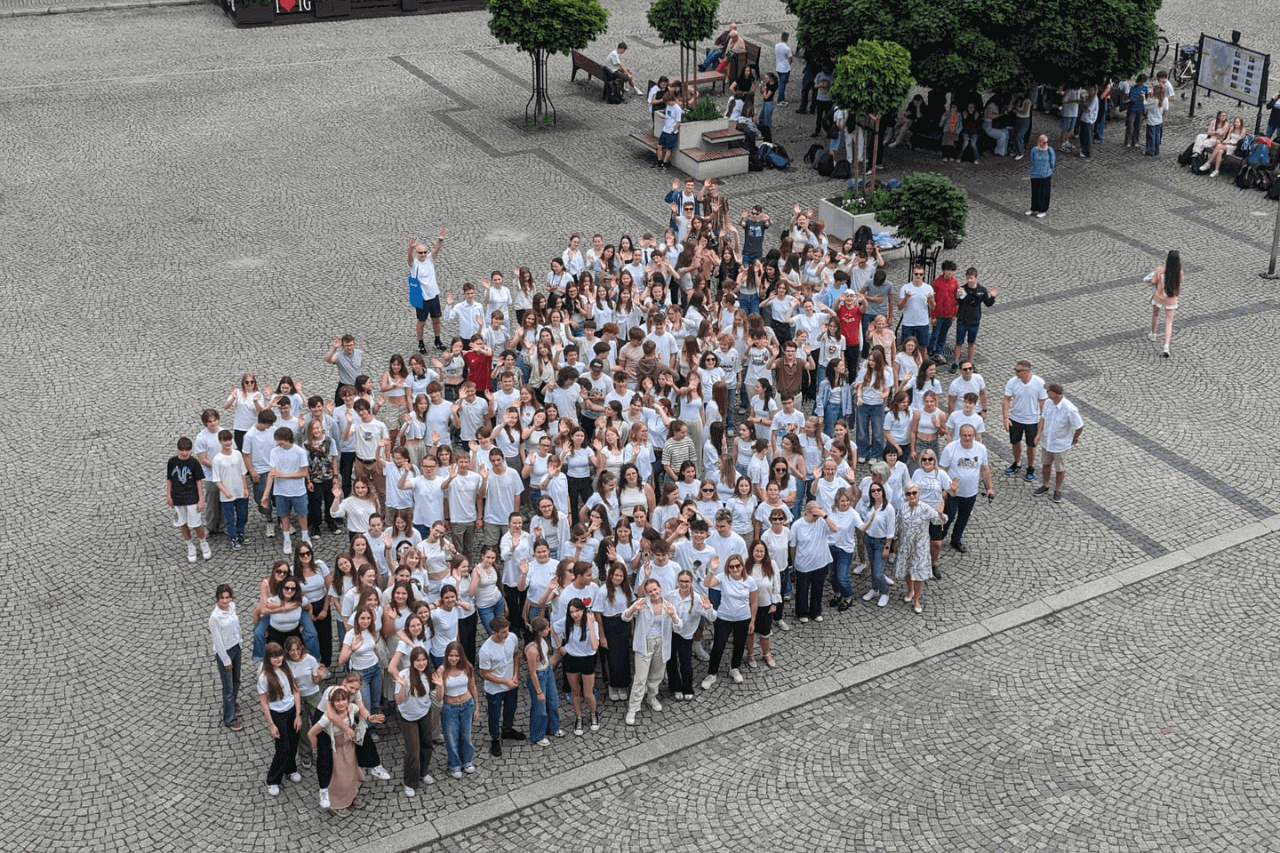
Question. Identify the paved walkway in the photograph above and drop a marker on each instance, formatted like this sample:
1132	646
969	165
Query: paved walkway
190	201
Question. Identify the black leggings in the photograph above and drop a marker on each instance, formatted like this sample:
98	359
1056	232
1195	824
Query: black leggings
725	627
680	665
579	494
366	754
618	656
324	633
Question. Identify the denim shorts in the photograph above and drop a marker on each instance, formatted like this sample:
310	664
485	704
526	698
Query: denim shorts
969	332
296	504
1068	123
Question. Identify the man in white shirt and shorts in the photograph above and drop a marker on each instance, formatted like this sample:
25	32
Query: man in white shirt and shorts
1060	428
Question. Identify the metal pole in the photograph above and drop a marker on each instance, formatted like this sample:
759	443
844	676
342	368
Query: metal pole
1275	248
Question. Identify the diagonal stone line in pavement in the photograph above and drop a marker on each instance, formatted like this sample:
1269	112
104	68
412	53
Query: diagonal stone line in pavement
673	742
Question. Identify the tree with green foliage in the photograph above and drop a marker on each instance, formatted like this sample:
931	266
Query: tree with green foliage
928	211
974	45
872	79
541	28
684	22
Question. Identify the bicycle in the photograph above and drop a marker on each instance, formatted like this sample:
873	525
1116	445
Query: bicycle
1187	66
1159	50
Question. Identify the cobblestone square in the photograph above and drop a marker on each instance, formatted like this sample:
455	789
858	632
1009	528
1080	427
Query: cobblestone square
182	202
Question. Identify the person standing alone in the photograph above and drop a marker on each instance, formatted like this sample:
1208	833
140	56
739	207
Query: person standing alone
1043	160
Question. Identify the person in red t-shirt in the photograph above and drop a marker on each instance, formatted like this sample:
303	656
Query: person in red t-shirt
944	308
849	312
479	361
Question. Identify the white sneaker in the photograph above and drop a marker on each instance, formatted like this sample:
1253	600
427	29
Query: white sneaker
324	798
782	623
817	619
804	620
871	593
1151	336
288	548
470	768
191	552
409	792
700	653
295	777
1019	157
888	580
884	599
457	774
271	530
428	779
736	676
708	682
860	568
273	790
631	718
543	742
205	550
654	703
380	772
306	536
1041	215
1029	213
1214	173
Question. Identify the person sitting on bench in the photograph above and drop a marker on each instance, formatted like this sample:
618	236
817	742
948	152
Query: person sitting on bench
614	67
717	51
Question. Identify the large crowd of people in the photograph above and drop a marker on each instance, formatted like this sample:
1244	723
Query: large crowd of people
650	456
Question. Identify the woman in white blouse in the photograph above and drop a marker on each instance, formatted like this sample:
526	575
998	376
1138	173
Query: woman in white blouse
654	617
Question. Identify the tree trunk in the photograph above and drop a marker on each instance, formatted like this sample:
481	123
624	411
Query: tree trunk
540	100
875	154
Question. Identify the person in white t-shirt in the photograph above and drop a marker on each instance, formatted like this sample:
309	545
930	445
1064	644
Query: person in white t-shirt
1060	428
916	304
288	480
782	66
615	67
424	291
670	136
1024	397
965	461
499	666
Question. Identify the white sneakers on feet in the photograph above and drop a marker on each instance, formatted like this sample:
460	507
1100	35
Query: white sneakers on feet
324	798
871	593
782	623
457	774
1041	215
860	568
409	792
700	653
631	718
428	779
191	552
1151	336
817	619
1029	213
273	790
708	682
205	551
380	772
470	768
884	599
271	530
543	742
736	676
654	703
888	580
295	777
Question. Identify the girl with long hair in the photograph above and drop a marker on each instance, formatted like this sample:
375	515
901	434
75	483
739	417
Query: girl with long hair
1166	283
581	642
455	690
281	705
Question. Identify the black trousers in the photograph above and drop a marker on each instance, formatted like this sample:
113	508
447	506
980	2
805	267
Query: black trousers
1040	194
959	509
809	592
680	665
284	761
324	633
725	628
467	635
417	736
515	599
618	656
366	755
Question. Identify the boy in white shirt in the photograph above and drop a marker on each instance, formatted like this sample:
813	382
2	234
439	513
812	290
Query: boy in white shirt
232	480
287	480
468	312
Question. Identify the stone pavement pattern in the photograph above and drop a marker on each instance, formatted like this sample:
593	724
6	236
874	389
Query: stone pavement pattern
190	201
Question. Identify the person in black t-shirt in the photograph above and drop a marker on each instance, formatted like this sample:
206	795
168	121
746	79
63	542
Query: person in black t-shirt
185	497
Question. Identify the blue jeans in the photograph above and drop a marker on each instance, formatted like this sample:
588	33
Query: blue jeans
371	688
1100	127
1272	127
1020	128
831	412
309	638
1154	132
712	59
941	328
488	613
502	711
783	77
870	430
230	684
235	514
875	559
544	716
456	722
920	333
969	140
258	488
999	134
749	303
526	369
841	561
766	114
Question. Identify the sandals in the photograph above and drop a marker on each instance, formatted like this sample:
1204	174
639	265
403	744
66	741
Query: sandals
768	660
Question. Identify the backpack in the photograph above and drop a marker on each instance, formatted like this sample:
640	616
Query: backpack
1259	155
613	91
755	163
1185	158
1197	161
1264	180
1244	177
841	170
811	156
825	164
1274	192
774	156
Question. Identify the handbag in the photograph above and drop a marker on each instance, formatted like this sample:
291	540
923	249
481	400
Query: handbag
362	728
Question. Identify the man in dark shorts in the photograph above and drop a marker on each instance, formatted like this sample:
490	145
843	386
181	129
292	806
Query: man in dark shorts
424	292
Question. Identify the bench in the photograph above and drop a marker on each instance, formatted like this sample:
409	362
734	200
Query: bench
582	62
752	55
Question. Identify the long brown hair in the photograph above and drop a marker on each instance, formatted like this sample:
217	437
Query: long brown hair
275	690
464	665
416	687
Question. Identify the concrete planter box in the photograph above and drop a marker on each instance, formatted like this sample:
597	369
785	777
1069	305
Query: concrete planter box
691	131
842	224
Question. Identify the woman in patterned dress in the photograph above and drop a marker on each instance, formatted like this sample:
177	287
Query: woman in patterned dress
914	560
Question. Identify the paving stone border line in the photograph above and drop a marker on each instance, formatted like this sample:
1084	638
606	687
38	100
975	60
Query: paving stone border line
114	6
672	742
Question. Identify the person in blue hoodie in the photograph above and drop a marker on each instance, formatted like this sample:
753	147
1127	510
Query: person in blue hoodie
1043	159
